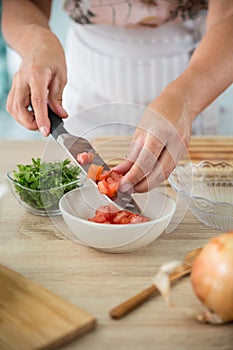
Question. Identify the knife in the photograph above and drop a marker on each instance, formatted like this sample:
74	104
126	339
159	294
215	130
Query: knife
75	145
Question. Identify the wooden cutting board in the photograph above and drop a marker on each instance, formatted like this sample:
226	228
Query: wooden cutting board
213	148
32	317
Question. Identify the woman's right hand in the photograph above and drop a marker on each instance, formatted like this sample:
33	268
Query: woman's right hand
39	81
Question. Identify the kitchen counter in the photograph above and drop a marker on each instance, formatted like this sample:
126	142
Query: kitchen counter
37	248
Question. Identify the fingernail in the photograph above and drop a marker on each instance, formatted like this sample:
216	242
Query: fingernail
43	130
125	186
63	111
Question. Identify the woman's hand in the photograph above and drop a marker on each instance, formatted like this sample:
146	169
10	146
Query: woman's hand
159	142
40	80
163	134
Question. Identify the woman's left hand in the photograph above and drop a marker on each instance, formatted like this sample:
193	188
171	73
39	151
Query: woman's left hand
158	143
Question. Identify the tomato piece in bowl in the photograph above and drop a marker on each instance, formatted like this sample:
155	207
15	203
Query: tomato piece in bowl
109	214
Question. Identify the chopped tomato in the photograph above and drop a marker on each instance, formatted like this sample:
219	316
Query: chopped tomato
108	209
85	157
103	187
100	218
94	172
136	219
109	189
122	217
109	214
109	183
104	214
112	189
104	174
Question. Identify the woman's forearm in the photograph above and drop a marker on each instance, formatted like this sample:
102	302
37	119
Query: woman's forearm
210	70
41	77
24	22
211	66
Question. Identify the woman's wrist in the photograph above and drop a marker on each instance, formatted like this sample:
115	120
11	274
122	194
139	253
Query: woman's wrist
36	38
173	103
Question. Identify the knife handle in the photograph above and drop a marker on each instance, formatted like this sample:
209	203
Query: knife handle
57	127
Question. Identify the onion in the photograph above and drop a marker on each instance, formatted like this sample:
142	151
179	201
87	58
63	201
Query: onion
212	279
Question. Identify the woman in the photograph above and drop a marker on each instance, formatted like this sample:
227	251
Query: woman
163	132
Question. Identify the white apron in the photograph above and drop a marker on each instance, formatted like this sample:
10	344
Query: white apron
115	64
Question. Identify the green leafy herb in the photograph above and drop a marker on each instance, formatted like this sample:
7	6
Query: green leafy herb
44	183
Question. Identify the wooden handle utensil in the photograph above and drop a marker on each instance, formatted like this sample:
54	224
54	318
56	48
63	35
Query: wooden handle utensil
133	302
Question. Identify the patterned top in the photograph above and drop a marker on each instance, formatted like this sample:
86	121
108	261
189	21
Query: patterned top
132	13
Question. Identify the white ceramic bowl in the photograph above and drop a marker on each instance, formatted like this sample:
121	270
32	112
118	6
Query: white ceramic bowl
80	204
208	190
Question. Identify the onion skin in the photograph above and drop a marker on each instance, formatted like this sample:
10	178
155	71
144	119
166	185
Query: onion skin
212	278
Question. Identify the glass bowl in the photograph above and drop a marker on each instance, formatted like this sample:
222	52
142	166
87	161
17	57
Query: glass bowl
40	202
208	190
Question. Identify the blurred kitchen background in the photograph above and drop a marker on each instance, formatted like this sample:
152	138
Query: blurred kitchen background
221	111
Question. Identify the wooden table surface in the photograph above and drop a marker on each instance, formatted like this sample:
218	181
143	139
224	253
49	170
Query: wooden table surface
37	248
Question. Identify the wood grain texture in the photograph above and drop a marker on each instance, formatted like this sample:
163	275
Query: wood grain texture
38	248
180	271
34	318
216	149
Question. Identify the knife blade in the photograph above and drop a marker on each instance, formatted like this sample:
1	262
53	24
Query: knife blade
75	145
